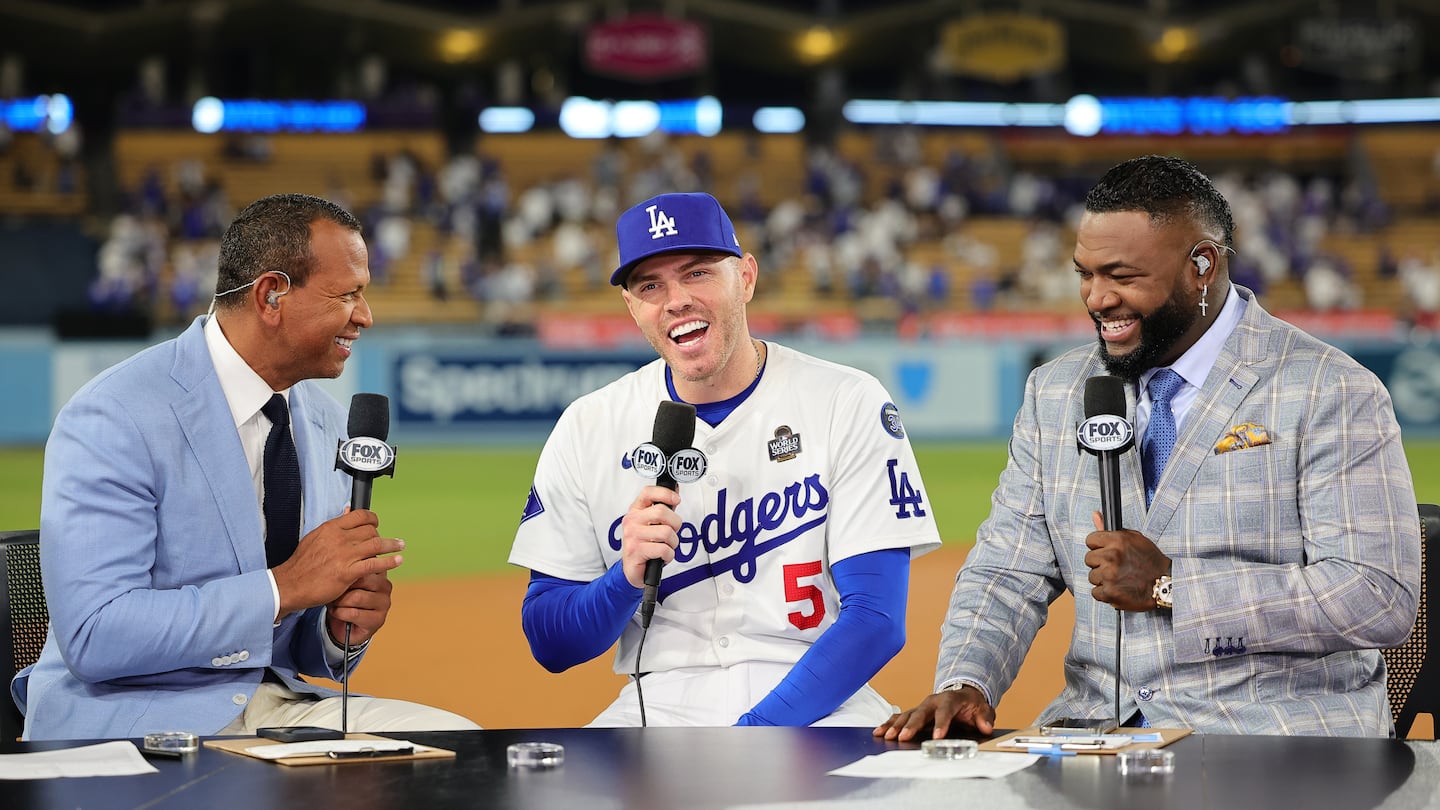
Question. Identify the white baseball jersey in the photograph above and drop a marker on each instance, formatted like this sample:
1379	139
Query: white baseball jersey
814	467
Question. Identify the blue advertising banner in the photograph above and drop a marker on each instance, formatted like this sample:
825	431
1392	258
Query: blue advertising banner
450	389
442	389
1412	373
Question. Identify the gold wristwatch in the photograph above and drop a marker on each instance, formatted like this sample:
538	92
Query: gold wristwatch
1162	592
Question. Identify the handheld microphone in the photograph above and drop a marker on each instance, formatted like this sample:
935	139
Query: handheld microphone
674	431
1107	433
365	455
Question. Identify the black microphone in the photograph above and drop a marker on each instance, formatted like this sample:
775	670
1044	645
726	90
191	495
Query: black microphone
674	431
365	455
1106	433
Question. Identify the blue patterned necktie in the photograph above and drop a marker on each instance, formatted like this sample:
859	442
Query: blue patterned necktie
282	485
1160	432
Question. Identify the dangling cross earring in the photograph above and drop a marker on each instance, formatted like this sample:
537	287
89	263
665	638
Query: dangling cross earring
1204	293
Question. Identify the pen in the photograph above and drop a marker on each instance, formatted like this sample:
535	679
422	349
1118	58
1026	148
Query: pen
366	753
1049	751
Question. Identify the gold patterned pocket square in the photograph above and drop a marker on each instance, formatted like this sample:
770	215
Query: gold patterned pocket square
1242	436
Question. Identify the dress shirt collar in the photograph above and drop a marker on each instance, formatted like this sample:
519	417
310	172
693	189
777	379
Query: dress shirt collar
1195	364
245	391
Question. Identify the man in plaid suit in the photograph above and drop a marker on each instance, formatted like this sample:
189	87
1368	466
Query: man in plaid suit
1269	557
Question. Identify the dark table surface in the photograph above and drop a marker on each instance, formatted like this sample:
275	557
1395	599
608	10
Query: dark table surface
773	768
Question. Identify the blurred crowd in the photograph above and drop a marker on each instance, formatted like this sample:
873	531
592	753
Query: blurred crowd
972	231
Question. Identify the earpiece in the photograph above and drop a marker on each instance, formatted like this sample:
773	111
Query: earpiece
273	297
1202	264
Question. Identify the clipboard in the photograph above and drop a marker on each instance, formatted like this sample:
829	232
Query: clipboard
248	746
1167	736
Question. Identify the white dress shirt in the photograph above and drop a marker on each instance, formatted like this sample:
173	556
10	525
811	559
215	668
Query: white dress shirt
1193	366
246	393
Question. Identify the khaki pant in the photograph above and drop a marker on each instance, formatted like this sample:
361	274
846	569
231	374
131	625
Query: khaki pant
275	705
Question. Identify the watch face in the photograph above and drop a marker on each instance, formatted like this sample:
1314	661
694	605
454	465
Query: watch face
1163	587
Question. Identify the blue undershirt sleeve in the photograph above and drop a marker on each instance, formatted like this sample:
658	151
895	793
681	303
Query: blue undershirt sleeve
569	622
869	631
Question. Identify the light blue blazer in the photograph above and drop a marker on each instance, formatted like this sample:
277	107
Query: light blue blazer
153	554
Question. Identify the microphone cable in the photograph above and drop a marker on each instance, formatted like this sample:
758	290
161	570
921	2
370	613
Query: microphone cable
639	690
345	685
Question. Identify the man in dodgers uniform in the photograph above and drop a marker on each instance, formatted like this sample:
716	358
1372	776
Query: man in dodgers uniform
787	562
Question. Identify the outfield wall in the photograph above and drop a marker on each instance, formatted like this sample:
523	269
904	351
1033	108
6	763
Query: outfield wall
447	387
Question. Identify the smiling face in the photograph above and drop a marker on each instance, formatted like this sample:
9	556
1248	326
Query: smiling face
691	307
317	323
1140	287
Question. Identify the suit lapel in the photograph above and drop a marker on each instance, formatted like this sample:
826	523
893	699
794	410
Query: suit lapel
1213	413
204	417
317	458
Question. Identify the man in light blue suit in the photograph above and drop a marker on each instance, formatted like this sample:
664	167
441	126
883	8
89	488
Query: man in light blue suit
1274	544
164	612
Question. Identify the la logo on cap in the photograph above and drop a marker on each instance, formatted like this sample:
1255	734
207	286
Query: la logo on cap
660	223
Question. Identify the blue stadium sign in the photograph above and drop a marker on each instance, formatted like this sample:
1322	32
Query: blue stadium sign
440	390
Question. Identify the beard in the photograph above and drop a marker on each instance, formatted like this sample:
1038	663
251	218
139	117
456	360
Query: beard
1159	332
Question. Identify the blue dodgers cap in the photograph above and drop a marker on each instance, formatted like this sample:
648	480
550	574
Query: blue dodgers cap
670	223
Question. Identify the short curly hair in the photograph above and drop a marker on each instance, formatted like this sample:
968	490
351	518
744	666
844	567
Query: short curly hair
1166	188
273	233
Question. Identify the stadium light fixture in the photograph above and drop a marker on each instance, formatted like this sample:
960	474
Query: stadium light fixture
778	120
52	112
502	120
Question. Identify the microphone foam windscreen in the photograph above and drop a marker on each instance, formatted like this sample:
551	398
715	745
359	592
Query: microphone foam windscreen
674	426
369	416
1104	394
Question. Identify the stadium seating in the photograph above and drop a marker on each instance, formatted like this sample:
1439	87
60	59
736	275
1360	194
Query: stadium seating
31	183
745	169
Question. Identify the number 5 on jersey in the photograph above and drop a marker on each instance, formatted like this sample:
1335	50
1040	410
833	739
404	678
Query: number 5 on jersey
795	592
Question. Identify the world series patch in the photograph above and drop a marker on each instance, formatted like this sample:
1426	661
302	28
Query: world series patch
785	445
890	420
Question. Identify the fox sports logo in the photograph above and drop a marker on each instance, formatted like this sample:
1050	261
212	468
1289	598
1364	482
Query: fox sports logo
1104	432
364	454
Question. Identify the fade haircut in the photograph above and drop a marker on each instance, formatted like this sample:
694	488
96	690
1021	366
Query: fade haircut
1166	188
273	233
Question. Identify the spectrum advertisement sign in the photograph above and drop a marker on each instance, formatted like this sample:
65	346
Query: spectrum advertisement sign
433	389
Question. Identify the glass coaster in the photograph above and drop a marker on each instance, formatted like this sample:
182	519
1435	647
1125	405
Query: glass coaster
172	743
535	755
950	749
1145	761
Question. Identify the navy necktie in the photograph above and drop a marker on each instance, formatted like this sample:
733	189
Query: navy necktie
282	485
1160	432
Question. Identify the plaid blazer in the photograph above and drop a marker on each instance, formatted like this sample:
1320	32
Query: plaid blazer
1288	510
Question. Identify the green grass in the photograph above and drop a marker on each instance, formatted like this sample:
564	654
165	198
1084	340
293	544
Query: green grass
458	508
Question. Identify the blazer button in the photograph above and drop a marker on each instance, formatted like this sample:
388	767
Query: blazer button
244	655
217	662
240	700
